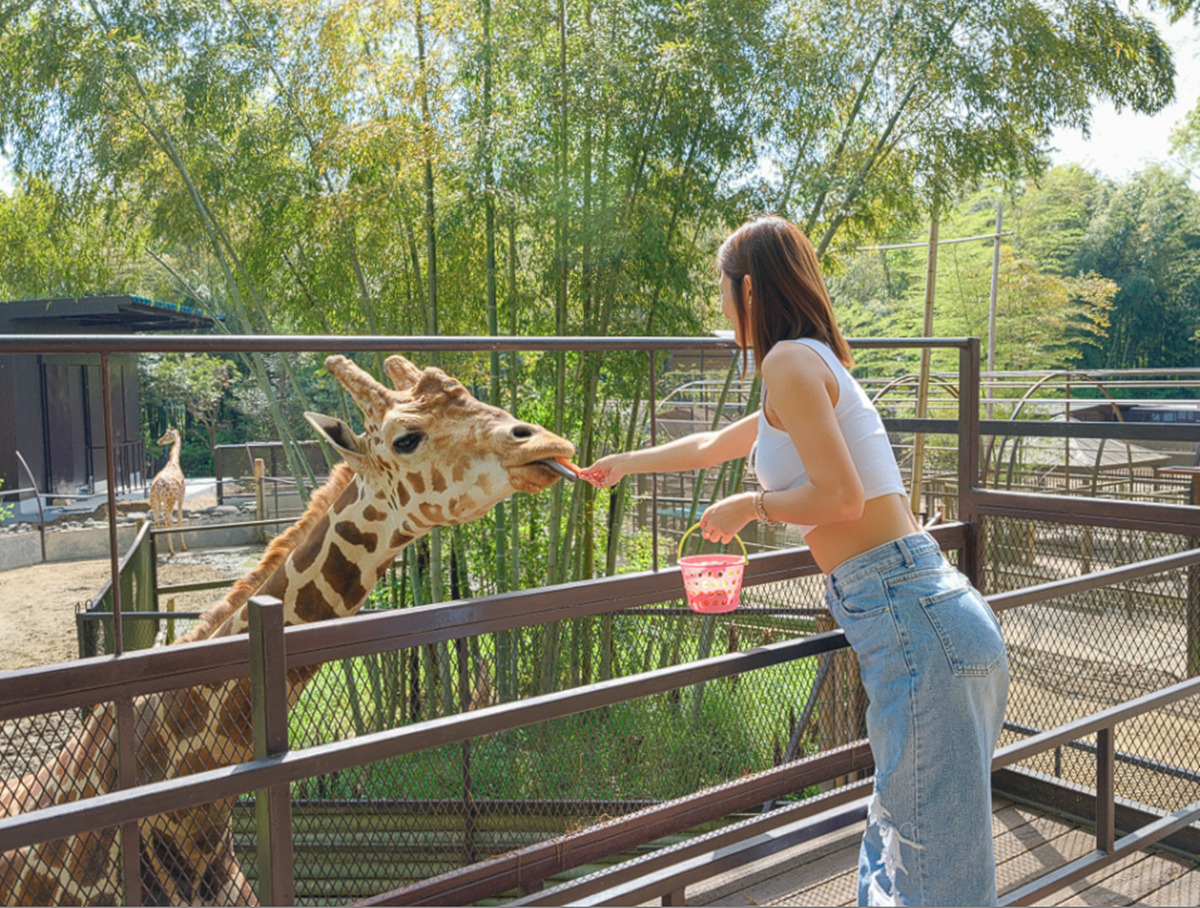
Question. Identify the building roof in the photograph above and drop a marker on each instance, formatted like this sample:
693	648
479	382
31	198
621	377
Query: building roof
119	313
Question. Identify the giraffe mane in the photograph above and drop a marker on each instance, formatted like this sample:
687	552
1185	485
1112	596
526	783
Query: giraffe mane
275	555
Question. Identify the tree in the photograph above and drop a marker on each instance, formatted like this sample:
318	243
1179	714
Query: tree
196	382
1145	239
882	105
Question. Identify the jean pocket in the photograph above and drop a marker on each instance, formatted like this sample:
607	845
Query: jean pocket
964	624
856	605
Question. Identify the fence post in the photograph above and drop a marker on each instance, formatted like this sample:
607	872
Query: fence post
1105	792
971	560
260	503
269	716
217	469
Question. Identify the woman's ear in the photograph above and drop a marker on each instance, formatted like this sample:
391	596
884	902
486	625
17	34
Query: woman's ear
746	286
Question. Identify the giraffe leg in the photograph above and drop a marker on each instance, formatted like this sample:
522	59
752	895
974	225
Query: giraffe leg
162	520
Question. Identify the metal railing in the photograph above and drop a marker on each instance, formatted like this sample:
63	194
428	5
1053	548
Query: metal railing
270	652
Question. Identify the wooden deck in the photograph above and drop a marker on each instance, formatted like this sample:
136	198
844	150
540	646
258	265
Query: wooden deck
1029	843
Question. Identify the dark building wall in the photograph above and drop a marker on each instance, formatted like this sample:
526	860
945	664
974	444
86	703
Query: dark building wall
52	406
53	409
9	468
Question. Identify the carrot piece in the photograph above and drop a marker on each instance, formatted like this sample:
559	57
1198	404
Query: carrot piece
570	466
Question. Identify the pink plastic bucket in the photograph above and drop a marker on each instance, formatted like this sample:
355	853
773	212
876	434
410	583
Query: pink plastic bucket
713	583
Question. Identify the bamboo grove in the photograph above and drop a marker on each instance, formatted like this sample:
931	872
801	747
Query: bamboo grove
566	168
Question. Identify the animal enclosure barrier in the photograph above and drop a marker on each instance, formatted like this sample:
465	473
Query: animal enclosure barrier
410	759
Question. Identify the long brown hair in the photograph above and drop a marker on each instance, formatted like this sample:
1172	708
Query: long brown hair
790	299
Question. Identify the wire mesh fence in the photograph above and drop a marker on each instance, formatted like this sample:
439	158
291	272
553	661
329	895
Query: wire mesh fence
1076	655
369	828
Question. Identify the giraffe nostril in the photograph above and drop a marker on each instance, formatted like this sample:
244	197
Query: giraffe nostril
523	432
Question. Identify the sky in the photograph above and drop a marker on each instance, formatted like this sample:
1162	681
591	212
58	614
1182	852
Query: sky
1121	144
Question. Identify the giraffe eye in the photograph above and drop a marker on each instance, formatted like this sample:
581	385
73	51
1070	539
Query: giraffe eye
407	443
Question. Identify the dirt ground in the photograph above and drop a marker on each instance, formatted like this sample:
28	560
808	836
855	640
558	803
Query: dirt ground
38	603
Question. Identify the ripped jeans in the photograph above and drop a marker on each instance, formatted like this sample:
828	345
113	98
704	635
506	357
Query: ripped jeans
935	672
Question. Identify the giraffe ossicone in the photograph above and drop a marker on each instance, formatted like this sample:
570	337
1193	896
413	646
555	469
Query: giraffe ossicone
429	454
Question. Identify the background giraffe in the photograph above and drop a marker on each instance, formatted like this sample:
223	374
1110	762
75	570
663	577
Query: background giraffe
167	489
430	455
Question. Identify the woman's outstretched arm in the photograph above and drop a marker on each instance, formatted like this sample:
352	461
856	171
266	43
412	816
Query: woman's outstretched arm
692	452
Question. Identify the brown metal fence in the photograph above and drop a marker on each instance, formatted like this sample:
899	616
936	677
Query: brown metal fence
433	742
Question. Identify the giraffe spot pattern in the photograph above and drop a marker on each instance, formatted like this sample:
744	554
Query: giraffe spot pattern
417	481
298	677
401	498
153	759
432	512
174	862
233	718
305	555
186	711
400	539
311	605
349	531
347	499
200	758
39	890
276	585
438	480
94	847
343	576
373	514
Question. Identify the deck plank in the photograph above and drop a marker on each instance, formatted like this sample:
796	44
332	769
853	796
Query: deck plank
1183	891
1028	844
1041	859
1132	884
780	875
1102	887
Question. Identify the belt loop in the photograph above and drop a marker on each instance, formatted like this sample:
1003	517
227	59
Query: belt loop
902	544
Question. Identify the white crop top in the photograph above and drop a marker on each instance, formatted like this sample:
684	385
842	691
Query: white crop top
778	464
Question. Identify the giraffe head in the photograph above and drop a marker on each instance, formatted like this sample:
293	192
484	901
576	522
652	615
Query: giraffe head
169	437
429	439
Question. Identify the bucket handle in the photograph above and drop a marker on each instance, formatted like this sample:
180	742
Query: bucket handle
745	557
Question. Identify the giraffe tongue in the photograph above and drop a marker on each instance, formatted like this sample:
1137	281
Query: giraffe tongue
561	469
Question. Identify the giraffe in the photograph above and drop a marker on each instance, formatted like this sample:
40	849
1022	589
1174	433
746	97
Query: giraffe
430	455
167	488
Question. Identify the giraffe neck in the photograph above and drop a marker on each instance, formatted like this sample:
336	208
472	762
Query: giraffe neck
330	572
175	447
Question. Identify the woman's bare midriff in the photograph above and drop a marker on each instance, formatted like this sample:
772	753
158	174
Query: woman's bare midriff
883	519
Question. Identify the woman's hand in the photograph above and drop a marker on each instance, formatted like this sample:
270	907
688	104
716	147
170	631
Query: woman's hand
605	472
721	521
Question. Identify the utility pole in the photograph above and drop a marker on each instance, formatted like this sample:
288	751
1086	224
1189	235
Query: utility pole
923	383
991	338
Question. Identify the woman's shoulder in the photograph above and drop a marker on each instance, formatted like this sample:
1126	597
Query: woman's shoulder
795	365
800	353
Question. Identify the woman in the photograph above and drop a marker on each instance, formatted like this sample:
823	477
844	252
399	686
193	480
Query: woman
931	653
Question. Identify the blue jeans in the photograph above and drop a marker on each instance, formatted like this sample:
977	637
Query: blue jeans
936	676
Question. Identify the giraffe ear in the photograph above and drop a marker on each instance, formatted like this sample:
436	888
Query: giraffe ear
402	372
339	435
